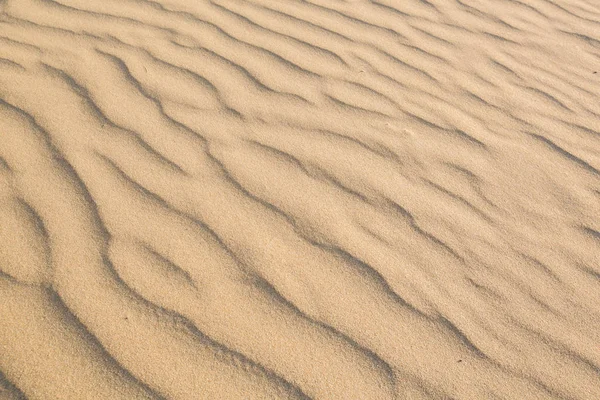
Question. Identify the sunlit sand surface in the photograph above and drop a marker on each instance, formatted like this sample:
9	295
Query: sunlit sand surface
299	199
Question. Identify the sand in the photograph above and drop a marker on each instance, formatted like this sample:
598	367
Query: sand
299	199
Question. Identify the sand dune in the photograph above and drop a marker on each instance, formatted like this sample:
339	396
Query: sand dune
302	199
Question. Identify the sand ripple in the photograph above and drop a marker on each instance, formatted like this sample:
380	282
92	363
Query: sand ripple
324	199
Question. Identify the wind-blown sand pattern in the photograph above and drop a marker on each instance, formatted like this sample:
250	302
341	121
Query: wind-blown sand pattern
324	199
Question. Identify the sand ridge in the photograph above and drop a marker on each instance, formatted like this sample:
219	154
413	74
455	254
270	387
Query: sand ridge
307	199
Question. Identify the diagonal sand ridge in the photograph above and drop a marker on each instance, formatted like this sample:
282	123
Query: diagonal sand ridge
301	199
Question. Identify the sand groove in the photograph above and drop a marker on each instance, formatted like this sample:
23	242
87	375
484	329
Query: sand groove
315	199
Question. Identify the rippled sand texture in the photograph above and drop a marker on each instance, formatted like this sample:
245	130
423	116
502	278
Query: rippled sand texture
324	199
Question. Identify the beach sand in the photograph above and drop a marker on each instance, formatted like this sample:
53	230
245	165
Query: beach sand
299	199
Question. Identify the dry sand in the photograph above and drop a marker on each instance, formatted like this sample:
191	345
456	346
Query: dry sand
324	199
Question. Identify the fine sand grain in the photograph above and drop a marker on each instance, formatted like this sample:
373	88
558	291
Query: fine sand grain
299	199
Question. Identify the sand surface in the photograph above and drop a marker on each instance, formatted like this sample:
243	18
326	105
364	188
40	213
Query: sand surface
299	199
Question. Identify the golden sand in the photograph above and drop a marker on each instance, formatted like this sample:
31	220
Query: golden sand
300	199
